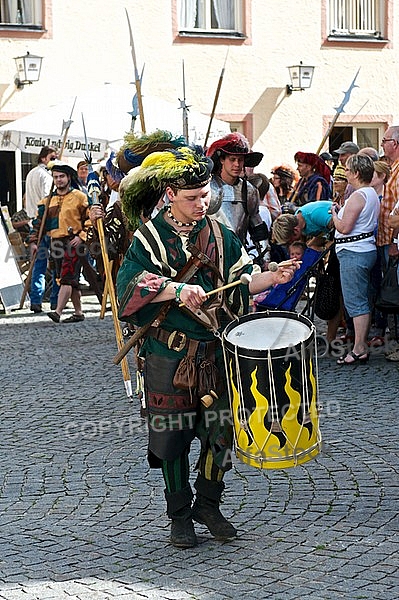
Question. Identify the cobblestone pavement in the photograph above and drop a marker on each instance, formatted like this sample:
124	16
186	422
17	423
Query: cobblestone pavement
82	517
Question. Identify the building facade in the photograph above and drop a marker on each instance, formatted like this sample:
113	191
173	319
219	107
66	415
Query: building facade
234	54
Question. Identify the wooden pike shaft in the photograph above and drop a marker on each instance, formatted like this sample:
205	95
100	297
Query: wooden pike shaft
111	291
140	103
215	100
105	294
327	133
184	106
214	107
136	75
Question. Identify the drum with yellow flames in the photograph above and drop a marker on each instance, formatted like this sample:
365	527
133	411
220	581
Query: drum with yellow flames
271	368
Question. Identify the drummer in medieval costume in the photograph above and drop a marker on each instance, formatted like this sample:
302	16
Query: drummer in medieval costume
174	260
234	200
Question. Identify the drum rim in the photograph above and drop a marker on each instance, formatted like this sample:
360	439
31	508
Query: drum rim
271	312
276	462
263	353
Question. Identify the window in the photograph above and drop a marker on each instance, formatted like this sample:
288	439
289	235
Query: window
21	14
237	126
215	17
356	19
366	135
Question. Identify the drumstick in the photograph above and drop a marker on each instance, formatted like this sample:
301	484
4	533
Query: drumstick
273	266
245	279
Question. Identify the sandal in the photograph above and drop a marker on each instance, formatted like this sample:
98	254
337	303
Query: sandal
357	358
74	319
54	316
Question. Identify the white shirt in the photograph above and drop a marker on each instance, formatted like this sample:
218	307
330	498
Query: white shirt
38	186
366	223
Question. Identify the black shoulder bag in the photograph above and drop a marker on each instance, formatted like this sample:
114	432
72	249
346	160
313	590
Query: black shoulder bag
388	296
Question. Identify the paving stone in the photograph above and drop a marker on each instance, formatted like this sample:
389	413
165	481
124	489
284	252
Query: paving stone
83	517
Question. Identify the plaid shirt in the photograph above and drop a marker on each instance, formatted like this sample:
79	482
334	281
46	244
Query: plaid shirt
391	196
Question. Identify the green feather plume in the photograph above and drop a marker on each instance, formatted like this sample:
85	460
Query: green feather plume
143	186
152	142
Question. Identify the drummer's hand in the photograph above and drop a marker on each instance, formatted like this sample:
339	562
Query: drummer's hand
285	274
192	296
96	212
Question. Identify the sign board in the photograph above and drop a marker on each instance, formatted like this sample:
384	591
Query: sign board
11	284
34	142
107	112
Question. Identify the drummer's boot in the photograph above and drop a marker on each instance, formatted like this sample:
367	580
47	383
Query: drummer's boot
182	533
206	509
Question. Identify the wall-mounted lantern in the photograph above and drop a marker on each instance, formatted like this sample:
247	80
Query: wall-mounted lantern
301	78
28	69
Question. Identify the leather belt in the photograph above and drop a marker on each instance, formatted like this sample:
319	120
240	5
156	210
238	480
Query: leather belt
175	340
353	238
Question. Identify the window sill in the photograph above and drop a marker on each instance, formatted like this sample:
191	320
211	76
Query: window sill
357	39
14	28
212	34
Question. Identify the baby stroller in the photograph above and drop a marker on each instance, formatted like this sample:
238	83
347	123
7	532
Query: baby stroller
287	295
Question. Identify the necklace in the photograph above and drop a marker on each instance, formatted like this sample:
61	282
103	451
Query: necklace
179	223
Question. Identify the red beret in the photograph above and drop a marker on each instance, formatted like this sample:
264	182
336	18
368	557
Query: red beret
316	162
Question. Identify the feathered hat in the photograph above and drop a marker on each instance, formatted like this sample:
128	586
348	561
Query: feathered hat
183	168
233	143
136	148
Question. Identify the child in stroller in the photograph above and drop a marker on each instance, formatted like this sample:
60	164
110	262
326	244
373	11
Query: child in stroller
286	296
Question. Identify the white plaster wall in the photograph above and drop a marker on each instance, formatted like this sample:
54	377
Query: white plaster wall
90	45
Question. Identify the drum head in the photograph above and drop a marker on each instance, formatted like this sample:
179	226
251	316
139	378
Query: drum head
271	333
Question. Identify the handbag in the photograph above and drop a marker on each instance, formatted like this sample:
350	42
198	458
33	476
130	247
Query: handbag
327	300
388	295
327	297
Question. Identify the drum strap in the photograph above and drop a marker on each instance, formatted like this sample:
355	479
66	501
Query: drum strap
210	316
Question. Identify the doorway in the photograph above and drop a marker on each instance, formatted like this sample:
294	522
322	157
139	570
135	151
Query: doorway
8	193
339	135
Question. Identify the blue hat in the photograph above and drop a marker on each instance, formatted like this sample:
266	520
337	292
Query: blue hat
113	169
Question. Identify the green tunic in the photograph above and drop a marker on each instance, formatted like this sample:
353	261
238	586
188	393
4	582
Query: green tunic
155	257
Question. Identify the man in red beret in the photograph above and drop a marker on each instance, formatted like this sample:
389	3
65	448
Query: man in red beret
314	183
